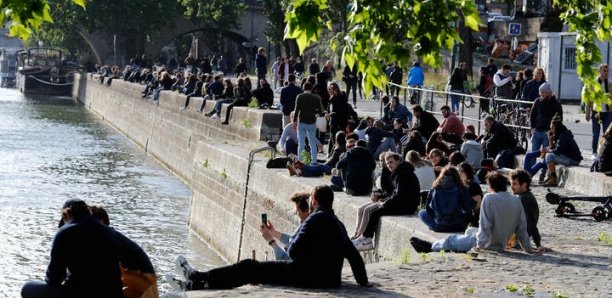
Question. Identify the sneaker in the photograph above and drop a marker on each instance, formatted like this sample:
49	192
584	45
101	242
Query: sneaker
214	116
183	267
357	240
365	244
177	284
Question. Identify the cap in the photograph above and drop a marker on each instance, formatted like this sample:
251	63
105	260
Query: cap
78	208
546	88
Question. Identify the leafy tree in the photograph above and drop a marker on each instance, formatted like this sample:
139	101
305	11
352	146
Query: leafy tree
27	15
591	20
220	14
379	31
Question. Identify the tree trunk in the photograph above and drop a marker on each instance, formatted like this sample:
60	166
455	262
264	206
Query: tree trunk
465	48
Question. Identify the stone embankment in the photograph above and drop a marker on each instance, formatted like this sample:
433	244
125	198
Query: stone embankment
229	195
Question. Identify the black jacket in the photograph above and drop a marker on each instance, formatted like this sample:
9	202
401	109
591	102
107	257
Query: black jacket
318	251
566	145
543	111
84	257
357	166
288	96
498	138
427	124
406	195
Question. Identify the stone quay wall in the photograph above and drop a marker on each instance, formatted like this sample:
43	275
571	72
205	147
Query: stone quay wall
213	160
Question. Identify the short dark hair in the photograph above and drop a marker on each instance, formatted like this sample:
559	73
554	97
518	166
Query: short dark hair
307	86
362	143
468	135
417	108
522	176
291	77
300	199
490	118
99	213
445	107
497	181
324	195
506	66
352	136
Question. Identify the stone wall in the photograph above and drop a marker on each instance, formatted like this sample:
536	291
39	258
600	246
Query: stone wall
213	159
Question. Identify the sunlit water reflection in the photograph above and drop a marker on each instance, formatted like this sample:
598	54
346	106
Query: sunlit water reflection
52	149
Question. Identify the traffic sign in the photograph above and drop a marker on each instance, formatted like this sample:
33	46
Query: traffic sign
514	28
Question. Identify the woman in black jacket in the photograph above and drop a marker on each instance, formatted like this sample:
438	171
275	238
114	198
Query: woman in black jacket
337	112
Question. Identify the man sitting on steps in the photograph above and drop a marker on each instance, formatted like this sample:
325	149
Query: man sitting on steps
317	255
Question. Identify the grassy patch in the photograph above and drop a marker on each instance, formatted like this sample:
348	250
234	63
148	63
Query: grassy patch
205	163
527	290
470	290
253	104
246	123
405	258
559	294
224	174
511	288
606	238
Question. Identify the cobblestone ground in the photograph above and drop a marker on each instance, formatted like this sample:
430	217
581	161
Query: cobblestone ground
579	266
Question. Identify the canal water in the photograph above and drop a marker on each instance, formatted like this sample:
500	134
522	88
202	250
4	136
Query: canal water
52	149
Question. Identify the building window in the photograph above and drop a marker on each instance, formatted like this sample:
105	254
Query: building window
570	59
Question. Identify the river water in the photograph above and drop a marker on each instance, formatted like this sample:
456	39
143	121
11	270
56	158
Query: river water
52	149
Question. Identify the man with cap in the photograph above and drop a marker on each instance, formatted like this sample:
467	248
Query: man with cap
542	112
83	262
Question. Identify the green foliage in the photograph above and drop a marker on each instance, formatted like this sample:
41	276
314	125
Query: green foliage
590	20
405	258
424	257
275	25
246	123
385	31
559	294
224	174
141	19
206	163
253	104
27	15
511	288
606	238
305	157
223	14
470	290
527	290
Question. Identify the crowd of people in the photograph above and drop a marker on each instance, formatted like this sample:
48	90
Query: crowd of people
427	168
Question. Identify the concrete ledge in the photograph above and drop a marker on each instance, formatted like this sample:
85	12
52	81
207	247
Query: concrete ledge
580	179
268	192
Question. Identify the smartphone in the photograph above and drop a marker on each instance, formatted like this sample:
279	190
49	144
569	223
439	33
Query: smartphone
264	219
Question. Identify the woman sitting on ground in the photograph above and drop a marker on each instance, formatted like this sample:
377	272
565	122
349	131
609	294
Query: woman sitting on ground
456	158
468	175
604	160
449	205
378	198
436	142
438	160
226	97
242	96
338	150
422	169
264	94
414	142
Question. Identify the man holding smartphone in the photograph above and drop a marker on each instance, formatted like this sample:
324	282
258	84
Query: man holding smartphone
317	255
276	238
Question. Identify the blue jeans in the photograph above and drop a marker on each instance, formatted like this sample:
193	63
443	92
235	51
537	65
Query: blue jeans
560	160
457	243
538	139
220	103
310	130
337	181
532	167
455	101
315	170
40	289
427	219
606	118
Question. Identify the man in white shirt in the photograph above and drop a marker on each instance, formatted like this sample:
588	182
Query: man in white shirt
501	215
